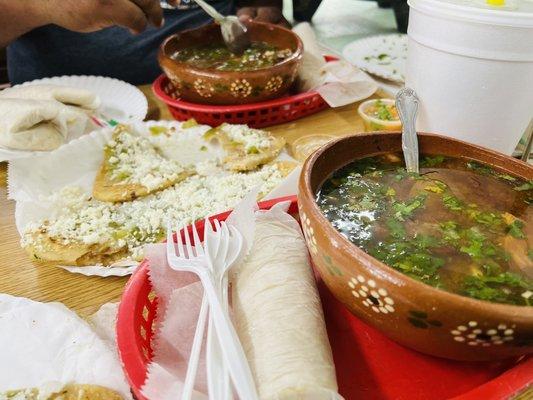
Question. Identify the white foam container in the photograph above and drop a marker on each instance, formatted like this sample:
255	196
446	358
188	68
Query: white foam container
472	68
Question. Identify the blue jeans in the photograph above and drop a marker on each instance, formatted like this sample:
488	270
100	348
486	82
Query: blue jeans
114	52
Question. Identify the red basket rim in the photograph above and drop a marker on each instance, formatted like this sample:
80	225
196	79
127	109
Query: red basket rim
130	355
157	88
158	84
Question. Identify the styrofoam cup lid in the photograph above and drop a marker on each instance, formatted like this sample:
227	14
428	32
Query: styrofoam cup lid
515	13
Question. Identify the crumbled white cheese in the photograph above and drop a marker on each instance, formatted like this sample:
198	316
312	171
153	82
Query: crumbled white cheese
248	137
22	395
80	219
135	160
143	220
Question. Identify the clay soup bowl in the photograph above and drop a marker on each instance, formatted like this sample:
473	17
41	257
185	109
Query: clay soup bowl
210	86
412	313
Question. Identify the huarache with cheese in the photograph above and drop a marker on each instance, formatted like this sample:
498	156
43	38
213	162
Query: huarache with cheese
69	392
88	231
138	189
246	148
133	168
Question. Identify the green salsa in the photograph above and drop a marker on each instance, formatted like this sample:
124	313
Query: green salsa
219	57
459	226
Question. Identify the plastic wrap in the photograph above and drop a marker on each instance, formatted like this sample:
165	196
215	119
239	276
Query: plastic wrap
278	314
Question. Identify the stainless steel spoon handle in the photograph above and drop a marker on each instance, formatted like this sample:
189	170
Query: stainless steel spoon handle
407	105
213	13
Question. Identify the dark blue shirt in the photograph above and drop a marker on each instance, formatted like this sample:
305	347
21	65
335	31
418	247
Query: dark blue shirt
114	52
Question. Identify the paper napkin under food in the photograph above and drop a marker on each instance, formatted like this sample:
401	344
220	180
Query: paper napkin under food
338	82
47	345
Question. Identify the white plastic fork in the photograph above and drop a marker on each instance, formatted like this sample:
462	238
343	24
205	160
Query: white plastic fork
216	368
194	357
211	244
228	339
217	372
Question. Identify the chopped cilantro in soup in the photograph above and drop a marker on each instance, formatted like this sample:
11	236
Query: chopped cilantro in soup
458	226
219	57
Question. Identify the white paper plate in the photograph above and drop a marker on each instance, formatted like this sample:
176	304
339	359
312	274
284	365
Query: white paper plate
382	55
120	100
46	345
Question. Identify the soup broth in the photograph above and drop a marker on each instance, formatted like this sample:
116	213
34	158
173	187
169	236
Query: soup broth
458	225
218	56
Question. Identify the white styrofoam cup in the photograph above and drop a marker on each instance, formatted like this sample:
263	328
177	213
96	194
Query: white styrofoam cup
472	69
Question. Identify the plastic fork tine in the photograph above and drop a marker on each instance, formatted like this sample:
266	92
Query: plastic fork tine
197	242
225	228
170	241
207	226
179	241
190	252
217	224
225	234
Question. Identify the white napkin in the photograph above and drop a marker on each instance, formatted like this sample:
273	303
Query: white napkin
46	343
338	82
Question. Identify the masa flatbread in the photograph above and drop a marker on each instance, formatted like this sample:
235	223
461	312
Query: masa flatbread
44	247
246	148
69	392
132	168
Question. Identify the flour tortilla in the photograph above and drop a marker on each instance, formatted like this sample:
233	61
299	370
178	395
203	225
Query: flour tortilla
279	317
310	74
38	124
68	96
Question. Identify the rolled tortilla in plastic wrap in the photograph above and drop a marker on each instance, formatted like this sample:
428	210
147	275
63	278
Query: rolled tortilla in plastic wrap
310	75
279	317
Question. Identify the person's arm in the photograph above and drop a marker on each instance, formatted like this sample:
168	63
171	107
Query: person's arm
18	17
262	10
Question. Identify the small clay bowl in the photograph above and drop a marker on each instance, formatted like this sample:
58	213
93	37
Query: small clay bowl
412	313
210	86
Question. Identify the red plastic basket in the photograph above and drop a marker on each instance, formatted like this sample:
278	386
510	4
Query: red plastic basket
369	365
255	115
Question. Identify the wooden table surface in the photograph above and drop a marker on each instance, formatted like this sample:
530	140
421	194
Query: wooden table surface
20	276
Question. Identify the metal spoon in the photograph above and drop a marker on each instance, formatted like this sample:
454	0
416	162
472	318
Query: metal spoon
234	33
407	106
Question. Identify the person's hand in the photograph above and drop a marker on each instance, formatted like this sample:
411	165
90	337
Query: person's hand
272	14
93	15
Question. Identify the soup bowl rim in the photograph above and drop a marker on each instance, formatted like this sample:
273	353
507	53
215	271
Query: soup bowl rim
354	251
296	55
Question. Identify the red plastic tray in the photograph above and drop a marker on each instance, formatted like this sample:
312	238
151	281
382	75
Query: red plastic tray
255	115
369	365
